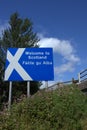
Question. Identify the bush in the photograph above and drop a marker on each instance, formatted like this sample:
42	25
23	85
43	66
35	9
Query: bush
62	109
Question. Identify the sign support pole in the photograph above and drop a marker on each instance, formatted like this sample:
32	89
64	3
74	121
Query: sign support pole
10	95
28	89
46	84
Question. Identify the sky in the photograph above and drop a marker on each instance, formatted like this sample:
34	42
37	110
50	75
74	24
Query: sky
60	24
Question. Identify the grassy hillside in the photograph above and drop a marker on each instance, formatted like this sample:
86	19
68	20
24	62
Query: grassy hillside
62	109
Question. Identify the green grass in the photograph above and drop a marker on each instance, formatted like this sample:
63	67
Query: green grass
62	109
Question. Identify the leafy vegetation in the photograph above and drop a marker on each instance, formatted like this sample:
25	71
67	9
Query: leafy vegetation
61	109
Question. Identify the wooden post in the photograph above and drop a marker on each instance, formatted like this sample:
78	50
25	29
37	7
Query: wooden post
28	89
10	95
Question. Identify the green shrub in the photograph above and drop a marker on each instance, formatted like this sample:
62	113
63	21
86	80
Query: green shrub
62	109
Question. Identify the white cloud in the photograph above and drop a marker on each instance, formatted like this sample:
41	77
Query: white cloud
69	66
63	48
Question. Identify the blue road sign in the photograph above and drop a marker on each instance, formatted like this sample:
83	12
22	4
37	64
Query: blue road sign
29	64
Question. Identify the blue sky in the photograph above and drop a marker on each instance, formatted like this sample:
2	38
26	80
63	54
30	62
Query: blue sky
61	24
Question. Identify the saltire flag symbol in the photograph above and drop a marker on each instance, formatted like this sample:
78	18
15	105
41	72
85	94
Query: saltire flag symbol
14	65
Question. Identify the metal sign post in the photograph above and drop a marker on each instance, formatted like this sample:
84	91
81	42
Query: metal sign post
46	84
10	95
28	89
79	78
